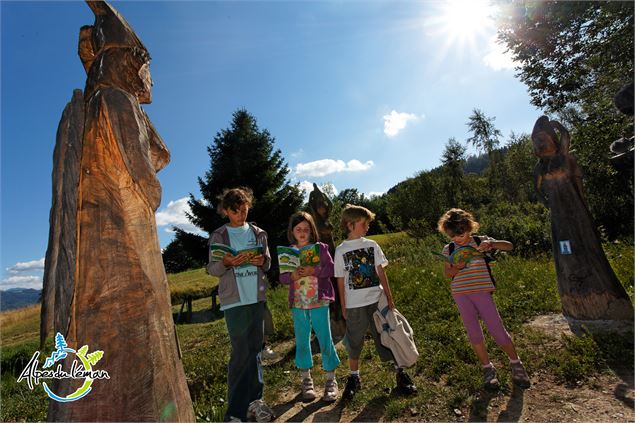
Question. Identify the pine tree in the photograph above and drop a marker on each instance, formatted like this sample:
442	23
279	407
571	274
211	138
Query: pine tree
244	155
185	251
453	159
485	137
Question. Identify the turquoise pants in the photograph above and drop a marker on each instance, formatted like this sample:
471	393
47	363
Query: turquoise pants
318	318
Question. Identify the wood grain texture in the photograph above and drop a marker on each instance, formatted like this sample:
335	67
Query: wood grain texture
116	296
588	287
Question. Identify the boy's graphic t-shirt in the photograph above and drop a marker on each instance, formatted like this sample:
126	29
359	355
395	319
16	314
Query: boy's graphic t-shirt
356	261
246	276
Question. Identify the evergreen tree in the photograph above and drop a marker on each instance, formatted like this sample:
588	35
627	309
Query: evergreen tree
485	137
484	134
185	251
244	155
453	159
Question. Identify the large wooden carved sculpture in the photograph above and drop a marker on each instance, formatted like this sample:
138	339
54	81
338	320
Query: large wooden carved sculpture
589	289
105	283
320	206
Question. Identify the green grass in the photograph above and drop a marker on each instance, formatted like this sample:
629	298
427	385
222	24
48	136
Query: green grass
193	283
447	373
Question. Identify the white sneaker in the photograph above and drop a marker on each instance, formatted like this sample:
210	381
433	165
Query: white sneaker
233	419
330	390
308	391
260	411
268	354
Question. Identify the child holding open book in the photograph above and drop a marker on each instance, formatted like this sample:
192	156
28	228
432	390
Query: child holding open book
241	291
310	292
472	288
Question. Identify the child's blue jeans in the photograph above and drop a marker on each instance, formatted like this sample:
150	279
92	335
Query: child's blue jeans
302	322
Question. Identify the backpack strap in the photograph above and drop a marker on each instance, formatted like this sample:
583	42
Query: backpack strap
488	258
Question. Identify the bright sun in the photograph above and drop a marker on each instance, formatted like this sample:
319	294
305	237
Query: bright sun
465	19
460	23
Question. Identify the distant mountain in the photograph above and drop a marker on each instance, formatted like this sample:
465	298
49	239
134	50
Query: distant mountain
18	297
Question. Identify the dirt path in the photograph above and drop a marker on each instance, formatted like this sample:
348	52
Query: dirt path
605	398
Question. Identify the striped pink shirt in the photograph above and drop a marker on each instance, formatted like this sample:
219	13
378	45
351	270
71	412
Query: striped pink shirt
472	278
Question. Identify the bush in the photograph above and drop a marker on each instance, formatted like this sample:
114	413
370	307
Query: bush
526	225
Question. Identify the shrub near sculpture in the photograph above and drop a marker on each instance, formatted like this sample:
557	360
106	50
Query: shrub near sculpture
105	285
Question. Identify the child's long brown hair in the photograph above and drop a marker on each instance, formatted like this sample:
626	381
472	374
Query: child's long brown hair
298	218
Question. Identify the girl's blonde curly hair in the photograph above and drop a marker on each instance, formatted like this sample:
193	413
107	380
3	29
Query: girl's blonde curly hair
456	222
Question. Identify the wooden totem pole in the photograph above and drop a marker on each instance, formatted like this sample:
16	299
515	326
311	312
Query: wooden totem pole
105	285
320	206
589	289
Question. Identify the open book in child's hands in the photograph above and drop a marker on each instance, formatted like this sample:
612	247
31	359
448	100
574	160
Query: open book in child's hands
463	254
220	250
291	258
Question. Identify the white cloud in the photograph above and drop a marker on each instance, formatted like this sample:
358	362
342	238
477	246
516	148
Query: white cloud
497	57
33	282
27	266
327	166
174	215
396	121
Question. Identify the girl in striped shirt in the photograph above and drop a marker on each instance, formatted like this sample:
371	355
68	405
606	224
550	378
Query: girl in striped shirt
472	288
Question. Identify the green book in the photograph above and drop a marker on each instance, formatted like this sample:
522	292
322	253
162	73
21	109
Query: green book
464	254
290	258
220	250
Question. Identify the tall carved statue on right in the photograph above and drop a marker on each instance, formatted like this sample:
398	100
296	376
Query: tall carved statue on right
589	289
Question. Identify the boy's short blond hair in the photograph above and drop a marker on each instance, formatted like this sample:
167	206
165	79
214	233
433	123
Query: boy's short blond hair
352	214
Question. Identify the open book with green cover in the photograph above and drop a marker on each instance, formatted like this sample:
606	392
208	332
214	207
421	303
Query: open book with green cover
219	251
291	258
463	254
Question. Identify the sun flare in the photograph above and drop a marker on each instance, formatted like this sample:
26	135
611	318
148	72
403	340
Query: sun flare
461	24
465	19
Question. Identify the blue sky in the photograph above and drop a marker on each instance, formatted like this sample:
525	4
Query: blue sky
361	94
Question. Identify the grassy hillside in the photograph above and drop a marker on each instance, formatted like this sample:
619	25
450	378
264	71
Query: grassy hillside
447	373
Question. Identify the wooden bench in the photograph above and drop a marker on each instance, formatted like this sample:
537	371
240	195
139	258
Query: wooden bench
214	295
187	316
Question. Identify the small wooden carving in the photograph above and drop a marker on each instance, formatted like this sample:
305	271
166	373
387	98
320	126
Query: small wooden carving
589	289
320	206
105	282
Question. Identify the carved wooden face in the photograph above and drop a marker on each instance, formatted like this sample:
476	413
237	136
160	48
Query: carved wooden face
544	145
145	96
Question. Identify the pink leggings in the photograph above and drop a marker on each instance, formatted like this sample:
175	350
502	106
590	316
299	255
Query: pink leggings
481	304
